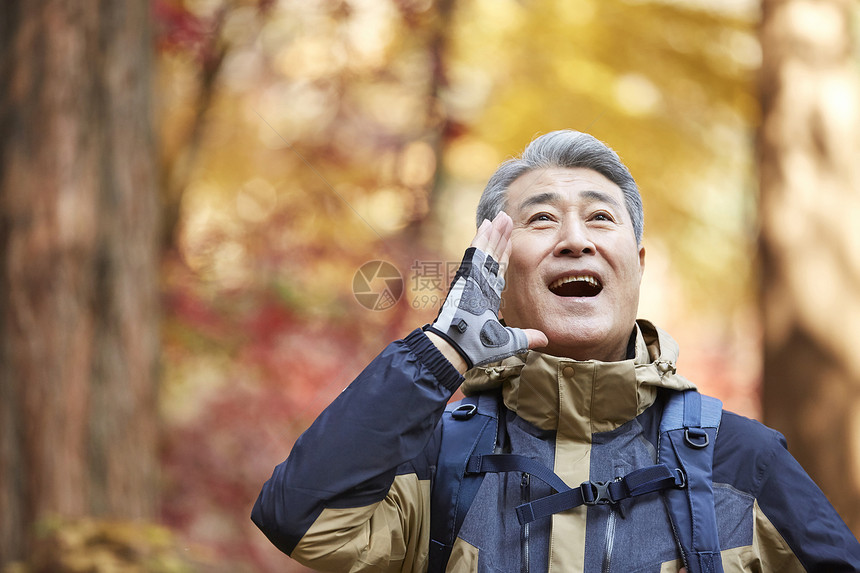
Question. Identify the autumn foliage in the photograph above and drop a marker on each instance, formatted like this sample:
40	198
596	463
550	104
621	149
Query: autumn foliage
302	140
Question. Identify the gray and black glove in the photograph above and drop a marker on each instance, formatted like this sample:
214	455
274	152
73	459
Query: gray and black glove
469	317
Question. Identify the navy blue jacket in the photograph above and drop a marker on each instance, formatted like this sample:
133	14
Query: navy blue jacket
354	494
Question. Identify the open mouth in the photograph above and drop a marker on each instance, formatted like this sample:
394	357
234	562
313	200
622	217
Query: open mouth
576	285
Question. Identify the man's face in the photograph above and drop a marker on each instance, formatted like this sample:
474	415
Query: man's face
575	267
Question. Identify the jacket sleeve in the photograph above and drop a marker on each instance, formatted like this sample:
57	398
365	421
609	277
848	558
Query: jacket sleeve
796	527
804	517
348	497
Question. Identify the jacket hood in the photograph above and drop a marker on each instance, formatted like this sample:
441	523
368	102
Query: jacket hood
578	398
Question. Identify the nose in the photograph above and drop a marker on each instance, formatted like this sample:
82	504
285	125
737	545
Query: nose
573	239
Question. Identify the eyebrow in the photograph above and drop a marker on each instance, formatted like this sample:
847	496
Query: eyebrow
540	199
550	197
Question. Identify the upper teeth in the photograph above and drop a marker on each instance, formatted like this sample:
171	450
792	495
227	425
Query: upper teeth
564	280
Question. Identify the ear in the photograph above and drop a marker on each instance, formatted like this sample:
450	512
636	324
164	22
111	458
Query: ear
641	260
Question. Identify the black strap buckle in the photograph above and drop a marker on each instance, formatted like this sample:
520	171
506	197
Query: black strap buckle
596	493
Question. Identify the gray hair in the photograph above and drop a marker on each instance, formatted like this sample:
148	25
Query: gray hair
565	149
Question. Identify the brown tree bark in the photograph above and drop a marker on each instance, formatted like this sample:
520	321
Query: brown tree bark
809	145
78	265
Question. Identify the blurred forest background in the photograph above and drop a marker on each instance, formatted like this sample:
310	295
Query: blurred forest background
188	188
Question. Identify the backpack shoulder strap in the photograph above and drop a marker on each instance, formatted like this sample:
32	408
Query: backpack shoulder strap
469	427
688	431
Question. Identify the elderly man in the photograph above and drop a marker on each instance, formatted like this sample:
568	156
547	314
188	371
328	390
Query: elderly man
568	389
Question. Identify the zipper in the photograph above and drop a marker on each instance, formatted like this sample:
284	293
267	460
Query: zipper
610	539
525	487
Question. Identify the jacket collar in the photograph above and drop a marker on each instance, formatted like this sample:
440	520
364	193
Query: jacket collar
578	398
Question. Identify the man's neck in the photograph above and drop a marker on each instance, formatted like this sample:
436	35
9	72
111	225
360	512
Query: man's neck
625	351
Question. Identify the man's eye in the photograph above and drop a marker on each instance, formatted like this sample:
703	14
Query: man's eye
602	216
540	217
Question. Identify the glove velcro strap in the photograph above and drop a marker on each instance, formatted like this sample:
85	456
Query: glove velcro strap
449	340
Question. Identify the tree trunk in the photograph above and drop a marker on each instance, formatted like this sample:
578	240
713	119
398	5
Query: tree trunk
78	265
810	240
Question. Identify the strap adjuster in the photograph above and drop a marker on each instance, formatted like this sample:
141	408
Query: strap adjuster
696	438
464	411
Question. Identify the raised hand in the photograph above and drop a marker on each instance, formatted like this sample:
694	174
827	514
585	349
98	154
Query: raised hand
468	319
